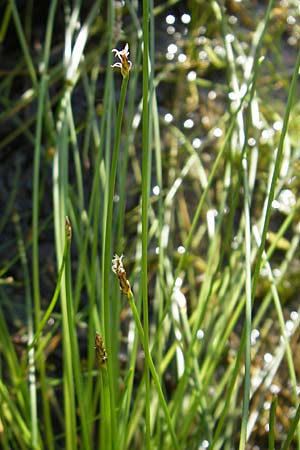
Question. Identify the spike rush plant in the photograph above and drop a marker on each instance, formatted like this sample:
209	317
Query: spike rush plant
110	427
120	272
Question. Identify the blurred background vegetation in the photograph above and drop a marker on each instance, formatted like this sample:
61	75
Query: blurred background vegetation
215	167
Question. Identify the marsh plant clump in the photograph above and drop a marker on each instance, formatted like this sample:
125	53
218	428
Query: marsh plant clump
185	158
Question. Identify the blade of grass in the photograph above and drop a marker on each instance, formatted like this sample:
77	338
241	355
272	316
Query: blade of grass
145	199
35	211
292	429
107	237
31	353
272	423
24	45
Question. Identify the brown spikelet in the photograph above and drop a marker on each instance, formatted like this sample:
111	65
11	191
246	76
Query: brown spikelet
68	228
118	269
100	349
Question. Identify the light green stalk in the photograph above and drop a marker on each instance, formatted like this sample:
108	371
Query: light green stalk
107	239
145	203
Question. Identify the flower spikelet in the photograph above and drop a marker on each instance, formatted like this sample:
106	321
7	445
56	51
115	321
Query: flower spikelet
68	228
100	349
118	269
125	64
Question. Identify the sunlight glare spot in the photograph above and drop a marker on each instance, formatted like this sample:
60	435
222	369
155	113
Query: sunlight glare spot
212	95
292	41
170	29
256	380
232	20
168	118
274	389
268	358
203	55
201	40
196	143
267	134
229	37
220	51
218	132
294	315
204	445
287	201
172	48
189	123
277	272
267	405
156	190
291	20
182	58
170	56
157	250
200	335
191	76
185	18
251	142
170	19
263	272
235	243
289	326
254	336
277	125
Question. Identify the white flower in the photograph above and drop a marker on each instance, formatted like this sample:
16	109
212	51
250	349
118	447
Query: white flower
125	64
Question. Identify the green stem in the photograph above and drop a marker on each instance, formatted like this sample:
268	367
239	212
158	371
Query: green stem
35	210
153	371
75	357
107	238
30	352
145	204
105	434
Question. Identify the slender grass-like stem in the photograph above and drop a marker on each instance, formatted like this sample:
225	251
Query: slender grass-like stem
105	440
105	429
119	270
82	405
268	209
292	429
272	423
31	351
248	311
107	239
145	201
35	211
275	175
153	371
22	39
68	375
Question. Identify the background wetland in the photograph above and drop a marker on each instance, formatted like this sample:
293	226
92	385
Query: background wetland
184	158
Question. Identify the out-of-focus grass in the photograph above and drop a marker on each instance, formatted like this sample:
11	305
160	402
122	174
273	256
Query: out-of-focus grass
191	170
